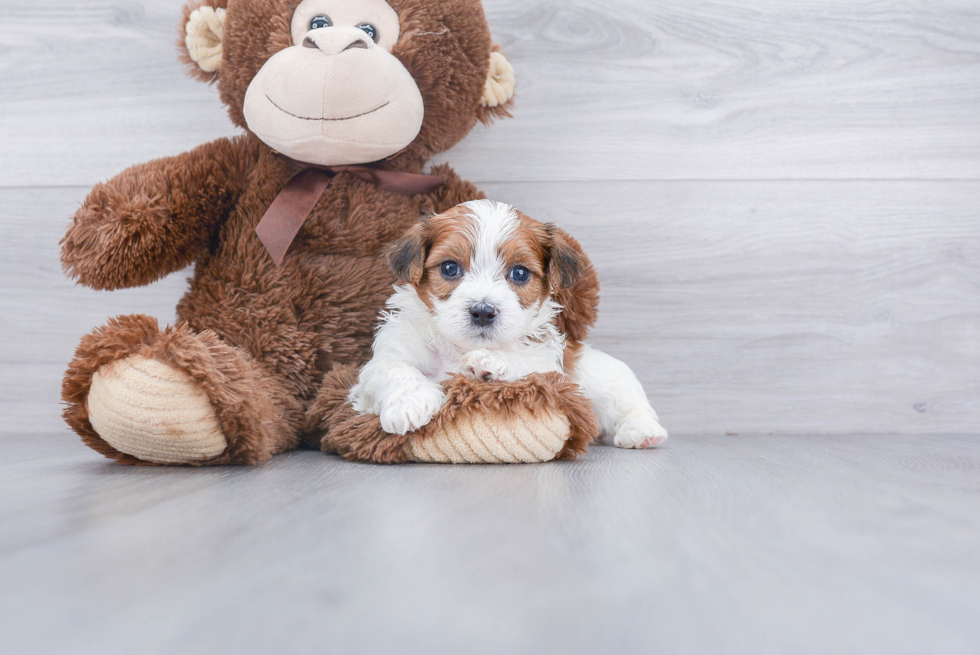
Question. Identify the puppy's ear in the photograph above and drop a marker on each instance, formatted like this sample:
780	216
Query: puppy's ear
406	257
574	284
566	263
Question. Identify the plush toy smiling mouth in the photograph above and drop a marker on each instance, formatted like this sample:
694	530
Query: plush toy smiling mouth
309	118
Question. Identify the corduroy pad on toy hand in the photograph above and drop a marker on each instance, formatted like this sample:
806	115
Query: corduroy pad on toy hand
536	419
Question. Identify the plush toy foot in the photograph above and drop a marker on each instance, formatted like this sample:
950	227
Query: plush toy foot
142	395
523	438
642	430
154	412
536	419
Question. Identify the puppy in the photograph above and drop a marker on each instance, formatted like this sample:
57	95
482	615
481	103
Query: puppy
476	296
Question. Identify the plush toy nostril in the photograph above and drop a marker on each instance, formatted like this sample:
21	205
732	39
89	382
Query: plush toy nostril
356	44
483	313
310	43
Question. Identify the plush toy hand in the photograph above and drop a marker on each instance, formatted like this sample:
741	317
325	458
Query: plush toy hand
155	218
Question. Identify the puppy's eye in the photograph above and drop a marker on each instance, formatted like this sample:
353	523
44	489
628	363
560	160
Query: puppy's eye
320	21
370	30
450	270
520	275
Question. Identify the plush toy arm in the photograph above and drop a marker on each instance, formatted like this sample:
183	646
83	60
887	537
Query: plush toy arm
155	218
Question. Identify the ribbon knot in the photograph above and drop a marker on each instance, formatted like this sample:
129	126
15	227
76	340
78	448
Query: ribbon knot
286	215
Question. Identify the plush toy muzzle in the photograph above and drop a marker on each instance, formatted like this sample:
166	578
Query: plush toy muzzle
335	97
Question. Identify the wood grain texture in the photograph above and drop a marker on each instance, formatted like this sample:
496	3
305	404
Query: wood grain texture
763	307
711	545
627	89
832	292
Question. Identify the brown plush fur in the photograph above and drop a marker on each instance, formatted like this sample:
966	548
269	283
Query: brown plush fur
260	338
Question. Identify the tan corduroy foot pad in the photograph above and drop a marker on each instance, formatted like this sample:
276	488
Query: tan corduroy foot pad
480	439
154	412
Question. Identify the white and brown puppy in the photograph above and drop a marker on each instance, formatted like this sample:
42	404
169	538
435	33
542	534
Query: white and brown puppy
476	298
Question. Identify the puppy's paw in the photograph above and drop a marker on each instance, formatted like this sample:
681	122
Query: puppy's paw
411	411
483	365
641	430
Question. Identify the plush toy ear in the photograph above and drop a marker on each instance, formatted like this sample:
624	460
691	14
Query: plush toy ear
498	91
406	257
203	28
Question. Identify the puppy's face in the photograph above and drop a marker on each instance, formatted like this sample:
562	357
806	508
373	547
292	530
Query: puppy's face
485	271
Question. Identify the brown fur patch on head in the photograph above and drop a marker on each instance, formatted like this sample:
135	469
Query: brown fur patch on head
568	276
555	264
417	256
528	247
448	240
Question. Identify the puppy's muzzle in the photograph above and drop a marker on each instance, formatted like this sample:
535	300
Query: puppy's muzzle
483	314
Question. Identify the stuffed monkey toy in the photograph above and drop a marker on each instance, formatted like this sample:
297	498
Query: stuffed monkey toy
342	103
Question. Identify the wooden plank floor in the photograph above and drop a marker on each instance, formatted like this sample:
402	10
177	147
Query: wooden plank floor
710	545
782	203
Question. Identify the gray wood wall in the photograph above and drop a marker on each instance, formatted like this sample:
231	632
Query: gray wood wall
781	198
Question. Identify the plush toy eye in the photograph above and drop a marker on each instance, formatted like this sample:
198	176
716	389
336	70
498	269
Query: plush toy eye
370	30
449	269
320	21
520	275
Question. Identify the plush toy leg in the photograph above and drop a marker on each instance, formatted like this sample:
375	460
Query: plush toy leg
140	395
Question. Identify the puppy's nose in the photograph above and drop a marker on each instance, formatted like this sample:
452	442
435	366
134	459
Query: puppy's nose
483	313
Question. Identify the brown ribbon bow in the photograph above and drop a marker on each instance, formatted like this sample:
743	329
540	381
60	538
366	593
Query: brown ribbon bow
284	218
